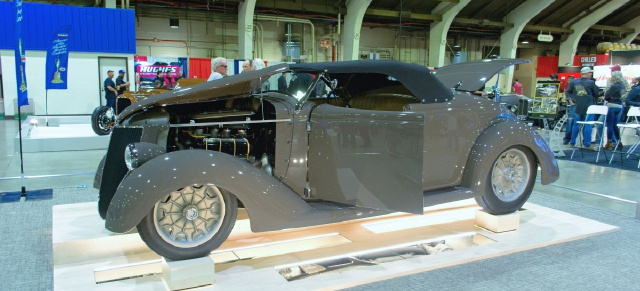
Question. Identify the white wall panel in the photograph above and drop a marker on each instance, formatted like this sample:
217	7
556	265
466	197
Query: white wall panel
83	93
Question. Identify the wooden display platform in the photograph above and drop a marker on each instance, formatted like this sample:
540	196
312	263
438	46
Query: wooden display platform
85	253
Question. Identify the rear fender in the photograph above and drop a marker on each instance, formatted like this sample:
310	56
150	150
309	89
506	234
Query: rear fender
271	205
496	139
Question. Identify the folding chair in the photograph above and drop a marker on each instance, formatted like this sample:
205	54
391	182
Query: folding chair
593	109
633	122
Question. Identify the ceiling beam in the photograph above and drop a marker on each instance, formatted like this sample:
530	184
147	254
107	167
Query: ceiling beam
481	22
306	6
613	28
397	7
405	14
544	28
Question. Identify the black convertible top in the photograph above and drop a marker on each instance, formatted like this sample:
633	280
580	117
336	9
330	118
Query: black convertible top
418	79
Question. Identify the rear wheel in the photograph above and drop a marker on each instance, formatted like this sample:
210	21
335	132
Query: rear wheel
102	120
190	222
510	181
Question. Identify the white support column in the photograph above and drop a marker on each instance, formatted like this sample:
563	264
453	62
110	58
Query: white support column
635	24
509	38
245	29
569	46
439	29
352	25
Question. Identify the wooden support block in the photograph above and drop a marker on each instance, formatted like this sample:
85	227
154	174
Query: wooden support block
497	223
178	275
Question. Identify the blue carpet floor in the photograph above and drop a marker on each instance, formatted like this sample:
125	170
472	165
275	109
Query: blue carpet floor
620	161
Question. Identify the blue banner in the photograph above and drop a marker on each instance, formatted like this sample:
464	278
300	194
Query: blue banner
21	75
58	59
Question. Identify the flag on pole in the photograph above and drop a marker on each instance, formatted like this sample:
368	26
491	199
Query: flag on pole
21	76
58	59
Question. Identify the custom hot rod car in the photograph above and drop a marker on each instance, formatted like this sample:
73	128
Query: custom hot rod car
382	137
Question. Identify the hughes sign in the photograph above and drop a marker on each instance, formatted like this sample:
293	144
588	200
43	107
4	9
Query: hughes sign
151	71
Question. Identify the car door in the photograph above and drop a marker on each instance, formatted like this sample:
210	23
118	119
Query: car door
366	158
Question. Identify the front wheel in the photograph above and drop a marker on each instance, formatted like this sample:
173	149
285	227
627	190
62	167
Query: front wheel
190	222
509	182
102	120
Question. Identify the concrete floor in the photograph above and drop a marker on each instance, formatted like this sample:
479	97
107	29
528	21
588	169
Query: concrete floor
605	187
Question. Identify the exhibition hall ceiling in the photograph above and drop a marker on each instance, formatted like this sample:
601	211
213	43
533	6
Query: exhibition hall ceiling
483	18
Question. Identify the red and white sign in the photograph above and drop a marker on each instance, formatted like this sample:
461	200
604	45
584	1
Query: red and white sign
324	43
603	73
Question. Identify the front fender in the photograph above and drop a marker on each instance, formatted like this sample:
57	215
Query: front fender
496	139
269	201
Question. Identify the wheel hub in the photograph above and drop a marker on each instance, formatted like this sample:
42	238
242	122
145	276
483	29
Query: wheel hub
509	178
191	212
190	216
509	174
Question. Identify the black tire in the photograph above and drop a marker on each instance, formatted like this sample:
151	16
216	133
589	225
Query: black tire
190	222
102	120
510	181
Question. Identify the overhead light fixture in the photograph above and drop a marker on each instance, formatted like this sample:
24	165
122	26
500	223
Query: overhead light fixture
174	23
525	41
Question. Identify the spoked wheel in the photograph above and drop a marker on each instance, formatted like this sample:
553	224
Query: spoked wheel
190	222
102	120
510	181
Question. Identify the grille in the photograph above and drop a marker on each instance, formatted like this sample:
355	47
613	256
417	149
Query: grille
114	168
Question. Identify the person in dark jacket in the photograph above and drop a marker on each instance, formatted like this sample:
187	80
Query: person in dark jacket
158	82
110	92
582	93
121	85
282	82
614	96
633	99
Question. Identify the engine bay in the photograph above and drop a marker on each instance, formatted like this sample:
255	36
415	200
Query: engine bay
226	126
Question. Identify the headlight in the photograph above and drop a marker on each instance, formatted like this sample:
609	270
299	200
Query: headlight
136	154
131	156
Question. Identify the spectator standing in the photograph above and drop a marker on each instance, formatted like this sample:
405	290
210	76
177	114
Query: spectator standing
218	68
258	64
627	88
570	114
633	98
247	66
169	80
110	92
582	93
121	85
614	98
282	82
158	82
517	86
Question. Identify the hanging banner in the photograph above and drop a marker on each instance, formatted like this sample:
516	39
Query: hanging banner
58	59
21	77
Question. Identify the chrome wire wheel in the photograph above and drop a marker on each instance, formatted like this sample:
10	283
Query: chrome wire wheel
106	119
510	175
190	216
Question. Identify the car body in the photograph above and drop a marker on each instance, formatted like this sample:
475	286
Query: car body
385	137
477	76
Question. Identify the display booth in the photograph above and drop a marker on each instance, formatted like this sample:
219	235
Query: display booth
334	256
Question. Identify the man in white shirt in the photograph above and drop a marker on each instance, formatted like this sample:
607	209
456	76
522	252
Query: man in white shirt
218	68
